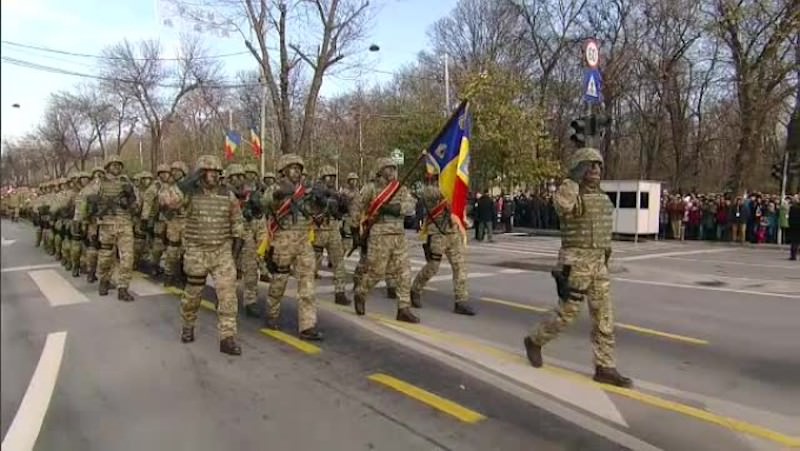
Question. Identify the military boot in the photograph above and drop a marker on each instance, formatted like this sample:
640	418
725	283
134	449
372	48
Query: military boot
406	315
272	323
311	334
341	299
534	352
252	311
76	271
416	299
123	295
611	376
229	346
92	276
463	308
391	292
360	304
67	264
105	285
187	334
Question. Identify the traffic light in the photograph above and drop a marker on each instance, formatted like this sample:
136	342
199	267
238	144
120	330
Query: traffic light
777	171
598	125
577	131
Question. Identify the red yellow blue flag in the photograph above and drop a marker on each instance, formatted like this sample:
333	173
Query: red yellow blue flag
448	156
232	142
255	142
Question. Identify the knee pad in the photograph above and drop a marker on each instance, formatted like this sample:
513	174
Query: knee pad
196	280
173	243
283	269
436	257
106	247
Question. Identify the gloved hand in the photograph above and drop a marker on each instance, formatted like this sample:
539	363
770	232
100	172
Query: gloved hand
285	189
391	210
237	246
608	256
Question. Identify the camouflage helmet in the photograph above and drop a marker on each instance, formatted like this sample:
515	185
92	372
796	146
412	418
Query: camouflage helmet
352	176
180	165
289	159
250	167
584	154
83	174
327	170
384	162
234	169
62	181
269	175
145	175
73	175
162	168
205	162
113	159
98	169
136	177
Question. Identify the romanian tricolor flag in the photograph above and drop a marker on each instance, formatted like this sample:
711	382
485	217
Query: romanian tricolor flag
232	142
255	142
448	156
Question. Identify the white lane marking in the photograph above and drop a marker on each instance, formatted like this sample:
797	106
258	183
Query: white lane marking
729	262
328	289
31	267
6	242
143	287
512	271
56	289
695	287
27	424
672	254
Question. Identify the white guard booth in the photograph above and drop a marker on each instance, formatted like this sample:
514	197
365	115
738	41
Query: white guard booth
636	206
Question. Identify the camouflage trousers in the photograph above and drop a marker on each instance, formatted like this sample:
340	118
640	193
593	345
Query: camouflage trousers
589	275
331	240
57	239
78	237
172	258
248	265
115	231
259	228
92	247
47	238
197	265
387	256
452	246
157	245
139	243
361	268
289	250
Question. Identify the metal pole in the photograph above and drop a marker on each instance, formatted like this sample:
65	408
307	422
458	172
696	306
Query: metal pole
360	147
783	187
263	132
141	157
230	120
446	84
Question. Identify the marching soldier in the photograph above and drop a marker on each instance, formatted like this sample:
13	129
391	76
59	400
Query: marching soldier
443	238
213	241
57	205
76	224
387	202
290	247
142	182
175	218
585	214
327	235
92	227
268	184
250	206
116	200
155	227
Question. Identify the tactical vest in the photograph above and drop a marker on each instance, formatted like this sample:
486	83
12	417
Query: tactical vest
110	194
591	230
299	215
208	222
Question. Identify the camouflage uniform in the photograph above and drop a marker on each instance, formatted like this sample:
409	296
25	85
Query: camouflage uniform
443	238
142	183
175	222
212	239
327	233
290	248
155	227
354	212
116	201
57	205
247	264
77	227
268	186
89	212
585	213
386	243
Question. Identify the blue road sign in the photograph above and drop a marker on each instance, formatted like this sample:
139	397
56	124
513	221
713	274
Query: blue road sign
593	86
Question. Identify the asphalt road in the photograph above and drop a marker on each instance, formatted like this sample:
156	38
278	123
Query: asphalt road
708	332
84	372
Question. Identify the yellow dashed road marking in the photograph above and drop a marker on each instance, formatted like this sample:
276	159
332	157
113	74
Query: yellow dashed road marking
308	348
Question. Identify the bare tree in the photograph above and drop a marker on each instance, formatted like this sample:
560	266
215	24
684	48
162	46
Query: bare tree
158	87
758	39
327	32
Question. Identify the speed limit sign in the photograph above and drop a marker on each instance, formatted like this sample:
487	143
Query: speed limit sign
592	53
